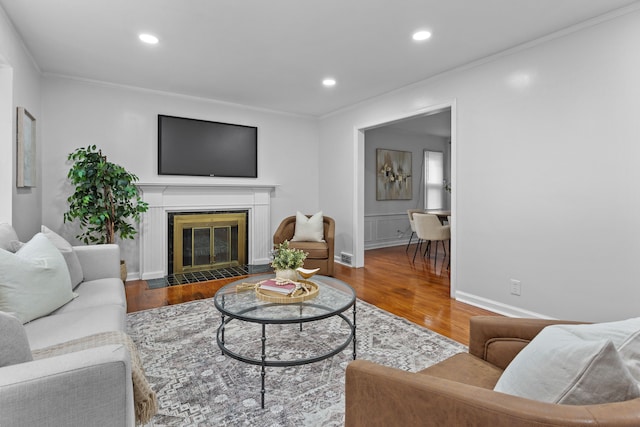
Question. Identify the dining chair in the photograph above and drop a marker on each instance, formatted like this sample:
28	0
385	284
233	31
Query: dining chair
410	213
429	229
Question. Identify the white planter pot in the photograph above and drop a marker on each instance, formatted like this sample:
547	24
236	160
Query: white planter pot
288	274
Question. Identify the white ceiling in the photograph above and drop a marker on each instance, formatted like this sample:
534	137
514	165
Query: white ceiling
273	54
438	124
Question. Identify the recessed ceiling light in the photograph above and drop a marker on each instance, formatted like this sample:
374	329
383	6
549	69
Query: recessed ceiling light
148	38
421	35
329	82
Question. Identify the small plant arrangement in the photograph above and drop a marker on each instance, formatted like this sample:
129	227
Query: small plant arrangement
285	258
105	197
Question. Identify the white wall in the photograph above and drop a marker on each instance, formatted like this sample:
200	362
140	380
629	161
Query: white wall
546	174
123	123
20	207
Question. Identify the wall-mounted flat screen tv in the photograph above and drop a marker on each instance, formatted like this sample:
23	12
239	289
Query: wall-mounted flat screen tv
202	148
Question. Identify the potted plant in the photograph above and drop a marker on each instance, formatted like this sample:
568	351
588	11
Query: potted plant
286	260
105	198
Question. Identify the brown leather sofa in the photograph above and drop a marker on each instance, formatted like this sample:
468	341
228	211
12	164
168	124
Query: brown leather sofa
320	254
459	390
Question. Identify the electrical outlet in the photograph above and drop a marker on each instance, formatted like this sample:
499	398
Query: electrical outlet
516	287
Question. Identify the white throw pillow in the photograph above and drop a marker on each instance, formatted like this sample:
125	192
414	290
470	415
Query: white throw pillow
8	237
309	229
14	344
69	254
559	366
34	281
625	335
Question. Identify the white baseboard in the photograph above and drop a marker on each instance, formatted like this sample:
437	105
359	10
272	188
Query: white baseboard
146	276
133	275
386	244
497	307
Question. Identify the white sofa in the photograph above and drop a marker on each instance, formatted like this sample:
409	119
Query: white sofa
86	388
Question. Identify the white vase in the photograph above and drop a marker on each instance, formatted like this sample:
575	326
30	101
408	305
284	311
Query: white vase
288	274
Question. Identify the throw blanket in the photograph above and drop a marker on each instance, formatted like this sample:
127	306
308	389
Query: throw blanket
145	401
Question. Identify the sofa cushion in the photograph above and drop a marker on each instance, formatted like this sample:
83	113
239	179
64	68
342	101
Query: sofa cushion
58	328
95	293
467	369
315	250
14	346
69	254
34	281
8	237
561	366
309	229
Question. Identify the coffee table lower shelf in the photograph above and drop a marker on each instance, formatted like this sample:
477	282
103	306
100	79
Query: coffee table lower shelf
263	362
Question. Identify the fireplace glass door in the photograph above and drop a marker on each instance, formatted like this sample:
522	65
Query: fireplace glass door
208	241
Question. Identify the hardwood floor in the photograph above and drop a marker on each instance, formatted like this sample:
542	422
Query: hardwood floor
390	280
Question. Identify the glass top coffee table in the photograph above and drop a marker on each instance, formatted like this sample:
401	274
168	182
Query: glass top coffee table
238	302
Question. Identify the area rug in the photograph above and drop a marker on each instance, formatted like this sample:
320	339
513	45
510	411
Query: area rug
198	386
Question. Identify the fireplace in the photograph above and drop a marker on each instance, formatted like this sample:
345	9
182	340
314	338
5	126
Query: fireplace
166	198
200	241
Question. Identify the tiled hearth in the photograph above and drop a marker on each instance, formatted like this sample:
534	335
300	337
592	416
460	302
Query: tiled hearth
165	198
205	276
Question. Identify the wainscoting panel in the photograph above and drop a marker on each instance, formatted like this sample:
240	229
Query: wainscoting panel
383	230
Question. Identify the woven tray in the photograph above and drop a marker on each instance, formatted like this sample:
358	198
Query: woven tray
310	292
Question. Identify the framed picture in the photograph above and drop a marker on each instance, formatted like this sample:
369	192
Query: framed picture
393	177
26	155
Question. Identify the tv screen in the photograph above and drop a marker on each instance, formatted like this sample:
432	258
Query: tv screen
202	148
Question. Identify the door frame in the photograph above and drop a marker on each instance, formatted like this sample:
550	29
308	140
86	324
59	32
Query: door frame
358	190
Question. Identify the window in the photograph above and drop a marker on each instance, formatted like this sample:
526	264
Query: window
434	178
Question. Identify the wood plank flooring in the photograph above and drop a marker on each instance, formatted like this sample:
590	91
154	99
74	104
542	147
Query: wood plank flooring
390	280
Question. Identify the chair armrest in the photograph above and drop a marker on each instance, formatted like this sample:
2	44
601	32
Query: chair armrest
377	395
99	261
329	235
89	388
285	230
499	339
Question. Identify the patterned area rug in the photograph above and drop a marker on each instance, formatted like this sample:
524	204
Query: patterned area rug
198	386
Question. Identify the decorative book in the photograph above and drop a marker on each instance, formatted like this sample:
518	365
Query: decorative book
285	291
284	287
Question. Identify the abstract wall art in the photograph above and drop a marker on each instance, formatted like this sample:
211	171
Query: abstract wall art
393	177
26	149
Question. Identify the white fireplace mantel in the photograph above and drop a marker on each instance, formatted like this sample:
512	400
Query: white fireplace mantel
164	197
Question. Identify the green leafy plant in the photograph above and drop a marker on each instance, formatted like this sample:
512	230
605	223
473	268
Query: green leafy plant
285	258
105	197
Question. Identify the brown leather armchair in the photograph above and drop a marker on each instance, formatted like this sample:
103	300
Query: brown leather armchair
459	390
320	254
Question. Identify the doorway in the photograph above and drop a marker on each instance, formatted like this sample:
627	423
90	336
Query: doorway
417	119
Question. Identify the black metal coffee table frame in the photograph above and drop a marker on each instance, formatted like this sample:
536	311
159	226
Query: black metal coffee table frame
245	316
